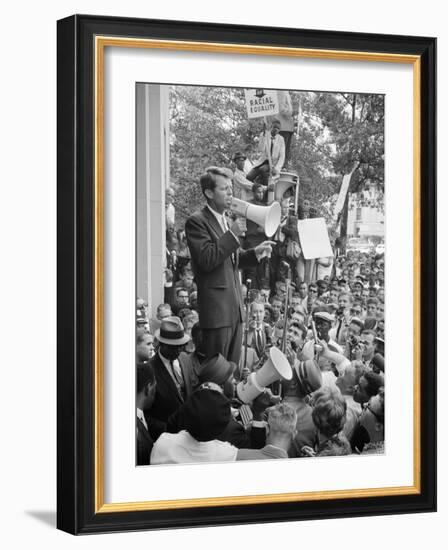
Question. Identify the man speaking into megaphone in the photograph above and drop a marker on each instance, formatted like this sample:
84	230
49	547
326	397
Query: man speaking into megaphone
216	257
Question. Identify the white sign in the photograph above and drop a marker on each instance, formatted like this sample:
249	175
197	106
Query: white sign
261	102
314	238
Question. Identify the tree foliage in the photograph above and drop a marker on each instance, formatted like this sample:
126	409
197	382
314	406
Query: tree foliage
355	125
336	133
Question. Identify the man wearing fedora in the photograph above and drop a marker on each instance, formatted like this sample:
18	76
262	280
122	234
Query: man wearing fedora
172	379
216	258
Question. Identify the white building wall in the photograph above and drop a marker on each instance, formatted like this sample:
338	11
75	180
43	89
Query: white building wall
152	175
365	220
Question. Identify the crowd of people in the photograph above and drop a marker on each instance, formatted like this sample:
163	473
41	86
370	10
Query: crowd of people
230	296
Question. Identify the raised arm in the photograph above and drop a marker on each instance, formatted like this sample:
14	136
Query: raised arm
207	253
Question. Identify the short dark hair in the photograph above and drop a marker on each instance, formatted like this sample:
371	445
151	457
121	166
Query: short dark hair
374	383
356	321
141	335
329	411
183	313
196	331
145	376
208	180
303	328
180	289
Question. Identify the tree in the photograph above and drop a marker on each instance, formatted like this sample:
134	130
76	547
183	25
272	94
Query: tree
337	133
311	154
355	125
207	126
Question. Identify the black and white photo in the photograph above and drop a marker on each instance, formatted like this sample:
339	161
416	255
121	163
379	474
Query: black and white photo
260	274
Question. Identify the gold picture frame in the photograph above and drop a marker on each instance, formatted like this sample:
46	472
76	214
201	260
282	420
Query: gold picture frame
83	40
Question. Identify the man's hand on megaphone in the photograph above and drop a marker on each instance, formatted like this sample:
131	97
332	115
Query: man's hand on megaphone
260	404
273	398
245	373
239	227
264	250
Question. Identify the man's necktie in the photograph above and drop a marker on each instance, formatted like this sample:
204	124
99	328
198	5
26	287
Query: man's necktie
259	341
177	375
226	228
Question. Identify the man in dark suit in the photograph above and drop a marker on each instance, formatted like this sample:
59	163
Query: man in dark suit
255	235
259	336
216	258
172	378
146	389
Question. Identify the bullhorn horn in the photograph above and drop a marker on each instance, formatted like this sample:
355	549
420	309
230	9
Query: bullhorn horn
287	180
276	367
268	217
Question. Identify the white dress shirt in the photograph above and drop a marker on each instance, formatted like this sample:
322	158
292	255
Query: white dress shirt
222	220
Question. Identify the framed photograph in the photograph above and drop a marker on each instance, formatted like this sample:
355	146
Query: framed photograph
245	216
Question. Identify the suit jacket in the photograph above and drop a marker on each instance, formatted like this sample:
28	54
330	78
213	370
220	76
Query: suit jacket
191	368
220	300
278	150
144	444
233	433
167	399
266	453
266	338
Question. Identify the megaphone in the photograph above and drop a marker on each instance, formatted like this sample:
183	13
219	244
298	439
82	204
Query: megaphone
275	368
286	180
268	217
